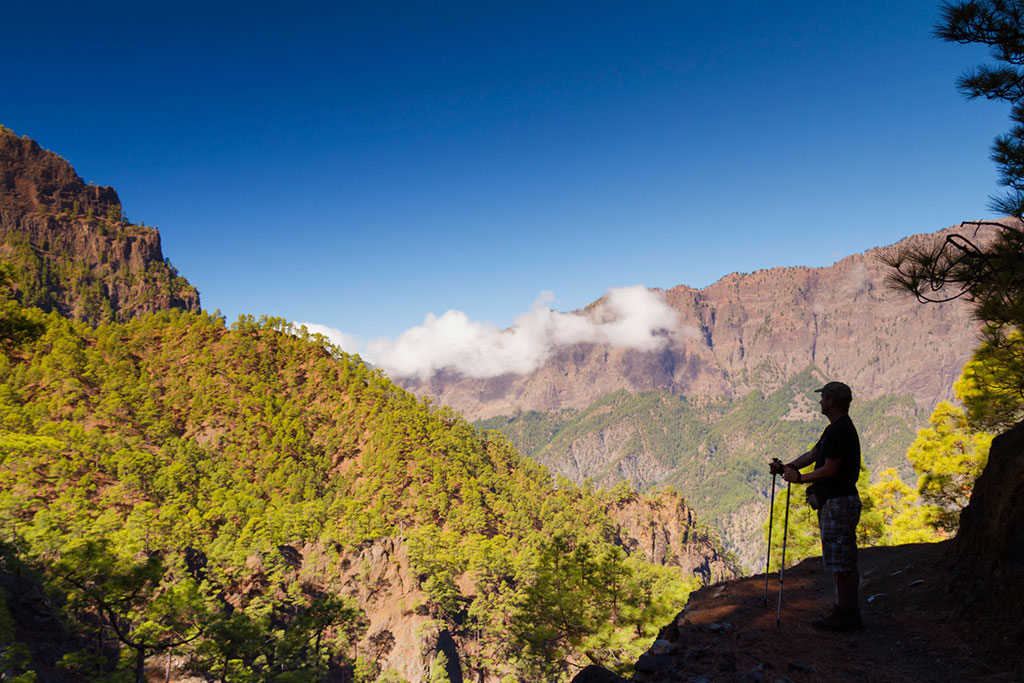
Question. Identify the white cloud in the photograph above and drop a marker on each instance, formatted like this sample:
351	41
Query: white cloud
346	342
632	317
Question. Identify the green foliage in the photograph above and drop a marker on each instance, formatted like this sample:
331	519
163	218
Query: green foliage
586	606
529	431
892	514
949	455
439	669
147	613
992	384
17	325
801	535
15	657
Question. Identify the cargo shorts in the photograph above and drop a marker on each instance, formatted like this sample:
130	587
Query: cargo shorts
837	520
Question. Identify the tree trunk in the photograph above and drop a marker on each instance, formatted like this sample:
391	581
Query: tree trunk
140	664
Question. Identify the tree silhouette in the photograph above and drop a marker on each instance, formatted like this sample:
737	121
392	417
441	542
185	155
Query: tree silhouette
147	615
984	262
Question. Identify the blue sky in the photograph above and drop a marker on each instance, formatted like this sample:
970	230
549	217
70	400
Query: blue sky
363	165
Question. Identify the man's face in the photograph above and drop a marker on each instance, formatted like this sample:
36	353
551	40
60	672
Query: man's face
825	402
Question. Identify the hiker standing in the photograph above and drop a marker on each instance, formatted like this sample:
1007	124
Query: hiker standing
833	493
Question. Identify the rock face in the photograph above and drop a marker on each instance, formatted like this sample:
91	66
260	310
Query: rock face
752	331
71	249
988	552
665	531
401	636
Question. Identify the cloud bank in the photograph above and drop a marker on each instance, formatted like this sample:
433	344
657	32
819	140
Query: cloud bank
632	317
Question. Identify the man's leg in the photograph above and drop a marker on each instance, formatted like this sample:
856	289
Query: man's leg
838	522
847	586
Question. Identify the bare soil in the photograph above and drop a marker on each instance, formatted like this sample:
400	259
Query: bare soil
911	628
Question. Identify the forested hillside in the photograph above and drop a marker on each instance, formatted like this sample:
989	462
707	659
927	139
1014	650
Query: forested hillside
217	497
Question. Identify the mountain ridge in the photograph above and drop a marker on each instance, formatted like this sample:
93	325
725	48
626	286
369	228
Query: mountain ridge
753	330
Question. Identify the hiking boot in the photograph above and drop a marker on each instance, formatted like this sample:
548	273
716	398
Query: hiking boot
842	618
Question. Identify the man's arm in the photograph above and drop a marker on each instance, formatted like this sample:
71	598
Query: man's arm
777	467
791	472
804	460
826	471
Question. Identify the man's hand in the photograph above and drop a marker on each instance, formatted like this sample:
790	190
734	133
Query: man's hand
791	474
776	466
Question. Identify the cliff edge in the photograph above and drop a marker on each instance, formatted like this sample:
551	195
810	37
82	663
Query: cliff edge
932	612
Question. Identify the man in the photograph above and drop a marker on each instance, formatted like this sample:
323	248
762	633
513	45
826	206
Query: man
836	459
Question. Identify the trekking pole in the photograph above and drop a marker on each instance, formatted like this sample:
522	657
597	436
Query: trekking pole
768	558
782	567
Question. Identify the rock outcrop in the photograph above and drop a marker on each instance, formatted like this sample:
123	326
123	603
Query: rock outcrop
401	634
69	246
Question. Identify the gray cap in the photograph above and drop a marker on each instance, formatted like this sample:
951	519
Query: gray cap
836	390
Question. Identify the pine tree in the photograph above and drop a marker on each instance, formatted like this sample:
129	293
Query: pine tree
949	456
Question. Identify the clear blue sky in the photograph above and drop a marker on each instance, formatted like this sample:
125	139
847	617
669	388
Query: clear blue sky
362	164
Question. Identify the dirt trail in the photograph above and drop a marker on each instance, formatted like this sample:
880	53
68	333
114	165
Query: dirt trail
911	632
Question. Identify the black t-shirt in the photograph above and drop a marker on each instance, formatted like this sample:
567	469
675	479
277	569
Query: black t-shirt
839	441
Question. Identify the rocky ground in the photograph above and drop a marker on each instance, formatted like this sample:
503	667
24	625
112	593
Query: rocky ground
911	629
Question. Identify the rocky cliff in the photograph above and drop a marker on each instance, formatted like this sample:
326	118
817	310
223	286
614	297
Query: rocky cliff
752	332
987	558
401	634
69	246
